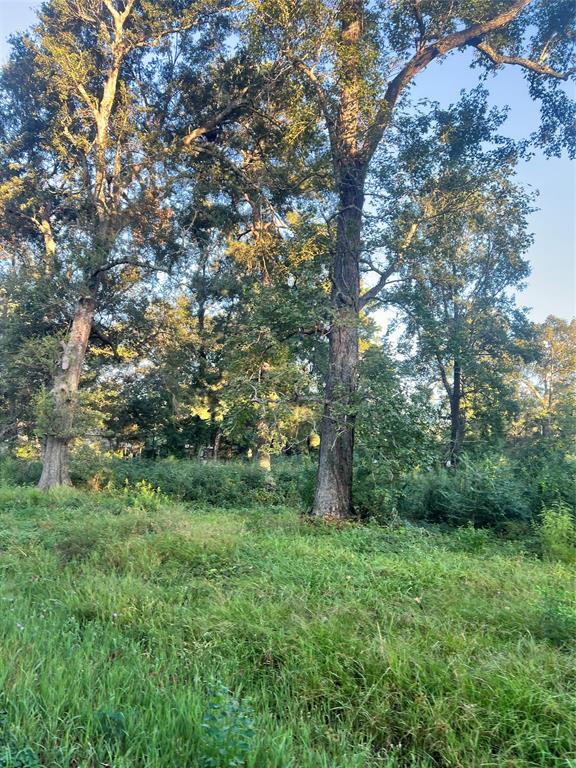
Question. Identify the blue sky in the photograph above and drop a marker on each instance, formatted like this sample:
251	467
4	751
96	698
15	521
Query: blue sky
552	286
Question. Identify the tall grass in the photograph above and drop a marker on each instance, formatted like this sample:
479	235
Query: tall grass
136	632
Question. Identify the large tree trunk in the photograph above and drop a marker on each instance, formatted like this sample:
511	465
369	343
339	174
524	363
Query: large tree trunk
63	397
54	462
456	417
333	498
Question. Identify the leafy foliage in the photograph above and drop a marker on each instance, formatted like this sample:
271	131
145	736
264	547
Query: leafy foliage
486	492
229	730
11	756
557	532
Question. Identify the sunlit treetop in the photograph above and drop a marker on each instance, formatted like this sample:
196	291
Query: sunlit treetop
372	51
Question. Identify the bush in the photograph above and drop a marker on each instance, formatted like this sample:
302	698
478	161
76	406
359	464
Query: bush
489	492
470	539
486	492
11	756
557	534
550	478
15	471
89	466
228	731
557	624
224	484
295	479
376	491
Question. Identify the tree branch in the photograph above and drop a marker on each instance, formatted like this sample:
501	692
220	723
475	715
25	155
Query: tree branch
443	376
423	57
127	263
322	96
387	273
533	66
417	11
217	120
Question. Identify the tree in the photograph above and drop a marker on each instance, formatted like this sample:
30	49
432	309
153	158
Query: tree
274	349
397	431
31	320
357	60
261	175
83	104
450	184
548	383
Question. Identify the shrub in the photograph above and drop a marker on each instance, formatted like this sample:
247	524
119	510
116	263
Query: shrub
470	539
17	471
485	492
492	491
558	480
236	484
89	466
376	491
224	484
556	622
557	533
550	477
233	484
295	479
11	756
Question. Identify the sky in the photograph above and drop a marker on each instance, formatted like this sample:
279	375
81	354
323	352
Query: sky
551	288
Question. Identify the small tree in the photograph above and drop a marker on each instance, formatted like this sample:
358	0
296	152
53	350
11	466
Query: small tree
468	220
548	384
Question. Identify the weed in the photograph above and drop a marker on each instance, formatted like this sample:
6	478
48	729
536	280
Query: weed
228	730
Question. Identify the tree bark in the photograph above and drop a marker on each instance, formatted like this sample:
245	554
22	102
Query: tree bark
63	397
49	245
456	418
264	460
262	445
217	441
333	497
54	463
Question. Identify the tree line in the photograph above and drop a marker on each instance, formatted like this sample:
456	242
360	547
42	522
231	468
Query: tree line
204	203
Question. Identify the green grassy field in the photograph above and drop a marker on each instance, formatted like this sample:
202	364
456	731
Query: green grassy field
137	632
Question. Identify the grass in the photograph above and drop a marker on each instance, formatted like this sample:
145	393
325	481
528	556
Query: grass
139	632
